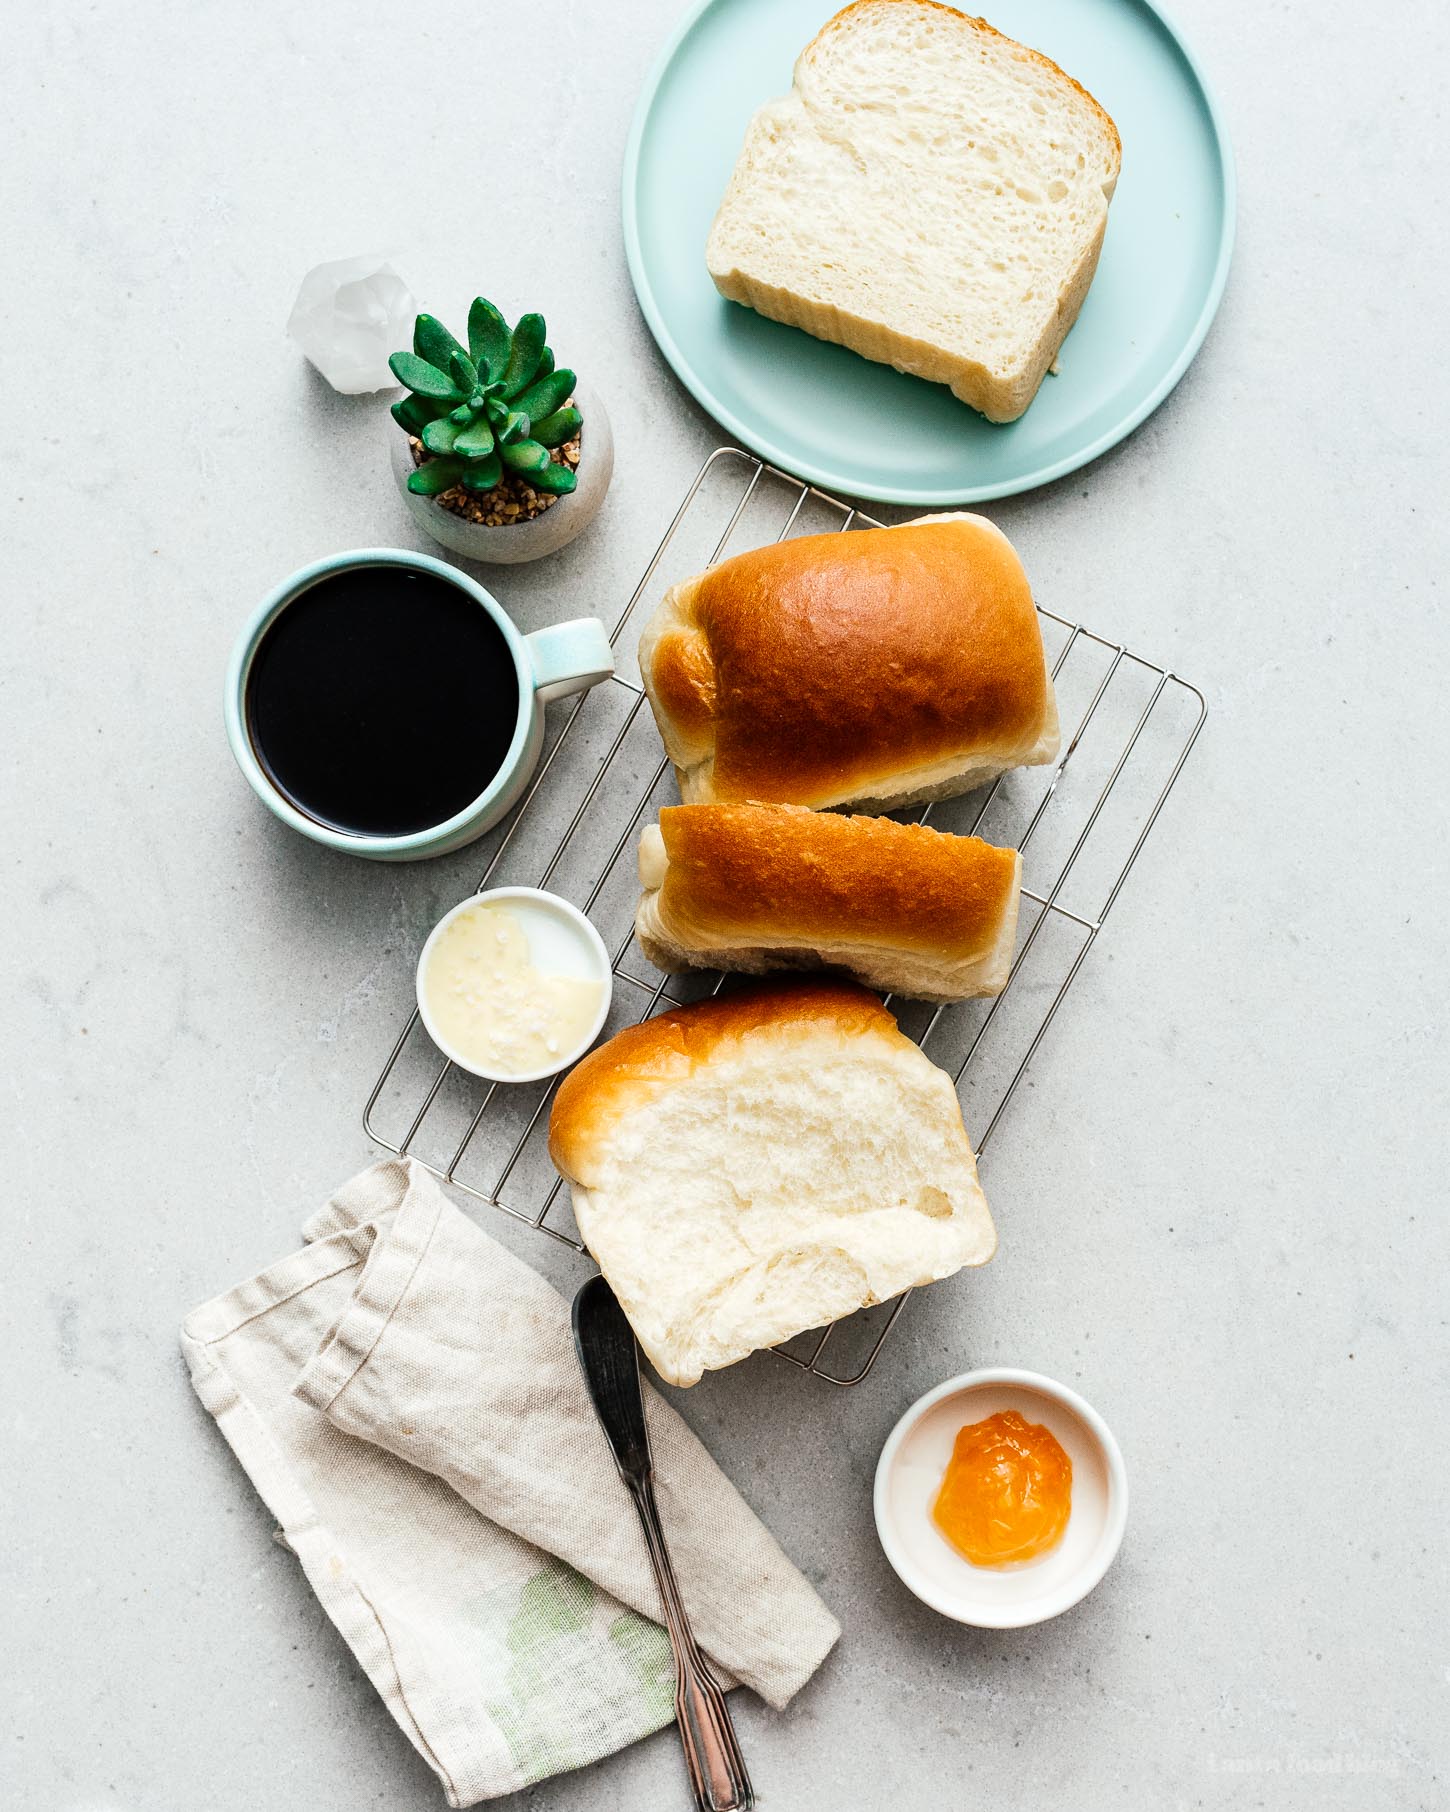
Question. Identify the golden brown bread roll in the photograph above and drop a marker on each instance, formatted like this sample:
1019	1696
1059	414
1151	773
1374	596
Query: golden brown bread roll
903	908
878	667
765	1162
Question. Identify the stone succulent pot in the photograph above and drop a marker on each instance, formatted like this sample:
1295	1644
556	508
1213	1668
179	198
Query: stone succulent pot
519	541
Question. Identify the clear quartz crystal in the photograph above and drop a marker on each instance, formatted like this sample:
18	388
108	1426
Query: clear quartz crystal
349	316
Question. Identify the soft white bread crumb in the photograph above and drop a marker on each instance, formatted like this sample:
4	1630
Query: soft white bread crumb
930	193
762	1164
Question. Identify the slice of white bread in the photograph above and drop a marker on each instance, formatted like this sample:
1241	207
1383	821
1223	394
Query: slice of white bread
765	1162
901	907
930	193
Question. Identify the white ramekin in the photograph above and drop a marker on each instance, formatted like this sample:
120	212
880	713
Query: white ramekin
910	1471
594	964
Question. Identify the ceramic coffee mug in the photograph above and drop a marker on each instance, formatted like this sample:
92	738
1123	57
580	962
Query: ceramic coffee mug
551	663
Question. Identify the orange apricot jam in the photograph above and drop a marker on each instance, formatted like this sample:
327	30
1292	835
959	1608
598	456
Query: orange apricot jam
1007	1492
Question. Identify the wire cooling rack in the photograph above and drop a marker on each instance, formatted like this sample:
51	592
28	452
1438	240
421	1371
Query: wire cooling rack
1080	825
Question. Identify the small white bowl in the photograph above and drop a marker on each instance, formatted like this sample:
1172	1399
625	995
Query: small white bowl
909	1474
571	946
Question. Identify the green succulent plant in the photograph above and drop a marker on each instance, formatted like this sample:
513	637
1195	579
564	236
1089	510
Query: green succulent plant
497	405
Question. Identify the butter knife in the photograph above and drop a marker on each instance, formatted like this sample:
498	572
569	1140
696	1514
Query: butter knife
606	1347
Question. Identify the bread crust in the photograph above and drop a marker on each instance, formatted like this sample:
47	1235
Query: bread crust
782	874
660	1053
834	669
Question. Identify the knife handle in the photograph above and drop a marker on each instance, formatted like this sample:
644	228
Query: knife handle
712	1753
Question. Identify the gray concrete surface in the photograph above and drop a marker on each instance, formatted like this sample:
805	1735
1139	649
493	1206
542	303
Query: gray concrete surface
1222	1197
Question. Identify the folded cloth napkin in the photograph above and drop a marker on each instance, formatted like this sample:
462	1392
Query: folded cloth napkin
404	1395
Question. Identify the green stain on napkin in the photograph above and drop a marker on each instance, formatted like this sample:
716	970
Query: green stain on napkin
646	1649
579	1672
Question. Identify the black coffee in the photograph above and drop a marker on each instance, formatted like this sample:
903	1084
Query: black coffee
382	701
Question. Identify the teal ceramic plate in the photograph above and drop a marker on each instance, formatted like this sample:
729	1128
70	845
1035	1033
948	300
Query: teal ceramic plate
848	425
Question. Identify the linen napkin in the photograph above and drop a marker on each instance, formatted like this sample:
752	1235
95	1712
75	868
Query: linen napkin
404	1395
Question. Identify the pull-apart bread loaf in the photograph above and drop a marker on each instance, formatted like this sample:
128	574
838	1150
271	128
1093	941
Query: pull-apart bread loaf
901	907
762	1163
930	194
876	668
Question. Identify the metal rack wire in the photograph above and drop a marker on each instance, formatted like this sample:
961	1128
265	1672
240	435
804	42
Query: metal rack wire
1080	824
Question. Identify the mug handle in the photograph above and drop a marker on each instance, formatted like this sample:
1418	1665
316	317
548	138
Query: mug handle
569	657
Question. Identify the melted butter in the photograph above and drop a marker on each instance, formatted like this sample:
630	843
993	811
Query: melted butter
1007	1493
491	1004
